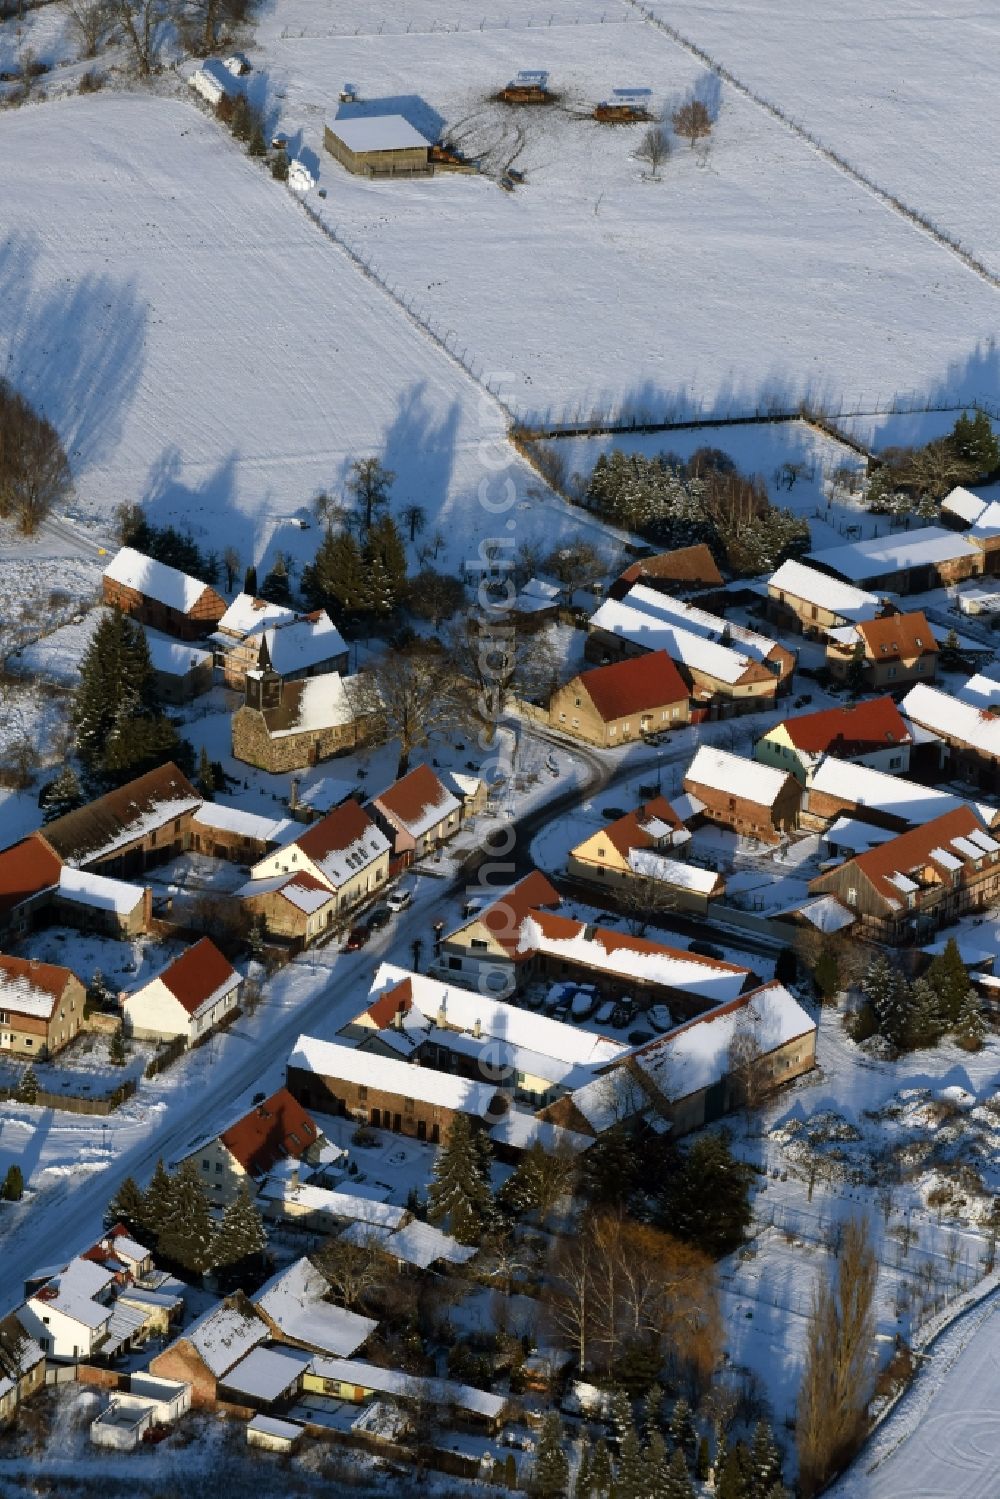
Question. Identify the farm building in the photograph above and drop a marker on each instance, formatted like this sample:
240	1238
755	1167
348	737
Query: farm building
642	852
254	635
881	798
92	900
285	726
294	908
180	672
814	602
41	1007
529	86
755	800
134	827
378	146
161	596
188	998
871	733
211	1346
968	725
682	571
893	651
909	562
241	837
293	1303
625	700
29	870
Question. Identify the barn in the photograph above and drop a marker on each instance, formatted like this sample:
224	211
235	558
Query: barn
378	146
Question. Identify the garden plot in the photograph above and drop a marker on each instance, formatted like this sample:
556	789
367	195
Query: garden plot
901	95
753	273
205	350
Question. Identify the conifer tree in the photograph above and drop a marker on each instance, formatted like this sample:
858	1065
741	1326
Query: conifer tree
926	1025
335	579
826	973
61	795
601	1480
119	730
27	1087
733	1479
970	1026
682	1427
948	977
385	564
116	1047
703	1463
656	1469
241	1235
887	991
13	1184
188	1235
652	1407
765	1462
678	1478
629	1477
974	440
126	1206
582	1486
276	587
706	1199
550	1476
620	1415
206	775
459	1197
157	1204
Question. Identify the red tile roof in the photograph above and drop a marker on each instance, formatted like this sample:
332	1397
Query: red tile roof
638	685
849	731
913	851
197	974
410	800
897	636
337	830
629	832
694	564
26	868
505	918
277	1128
25	975
395	1001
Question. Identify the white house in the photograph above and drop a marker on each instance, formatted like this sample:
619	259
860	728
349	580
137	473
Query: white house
70	1316
188	998
344	851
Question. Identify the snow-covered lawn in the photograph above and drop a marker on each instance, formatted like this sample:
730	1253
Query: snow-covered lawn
754	271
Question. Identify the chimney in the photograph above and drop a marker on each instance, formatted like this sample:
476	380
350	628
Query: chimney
477	1028
294	1177
442	1016
293	799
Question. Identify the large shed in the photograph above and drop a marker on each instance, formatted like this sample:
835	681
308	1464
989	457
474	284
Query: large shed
378	146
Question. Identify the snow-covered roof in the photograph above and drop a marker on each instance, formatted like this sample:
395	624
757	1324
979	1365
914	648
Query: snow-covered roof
969	722
861	786
323	702
98	891
839	598
299	644
248	615
225	1334
396	1382
855	834
339	846
172	658
826	914
889	554
343	1204
608	1100
963	504
294	1301
74	1291
155	580
523	1130
329	1059
696	1055
981	691
377	133
31	988
422	1244
735	775
249	824
273	1426
688	634
265	1374
987	523
656	866
418	801
328	792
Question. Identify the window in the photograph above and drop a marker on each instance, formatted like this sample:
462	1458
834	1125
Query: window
205	1165
218	1168
362	1091
408	1104
478	944
892	671
576	702
613	729
454	962
602	853
896	762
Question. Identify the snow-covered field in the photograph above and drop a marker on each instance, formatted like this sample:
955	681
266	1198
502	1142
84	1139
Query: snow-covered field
901	93
753	271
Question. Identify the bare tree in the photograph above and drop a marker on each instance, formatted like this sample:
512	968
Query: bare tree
745	1065
414	517
435	596
418	694
837	1381
34	473
500	657
353	1271
570	1302
231	562
642	899
143	25
90	23
654	148
692	121
369	484
202	24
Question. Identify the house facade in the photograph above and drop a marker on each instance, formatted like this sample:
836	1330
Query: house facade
871	734
814	602
41	1007
894	651
755	801
161	596
294	908
644	851
295	646
840	788
189	998
625	700
970	729
418	813
345	852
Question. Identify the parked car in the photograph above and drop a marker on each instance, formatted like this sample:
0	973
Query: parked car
622	1014
378	918
604	1014
357	937
399	899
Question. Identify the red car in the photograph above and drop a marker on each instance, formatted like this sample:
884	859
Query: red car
356	937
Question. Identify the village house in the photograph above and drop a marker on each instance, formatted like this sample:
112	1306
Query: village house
180	672
870	733
642	853
277	1130
841	788
345	852
684	571
294	1303
904	889
969	729
265	1377
519	940
189	998
256	636
691	1076
906	562
384	1092
729	669
161	596
41	1007
22	1368
894	651
286	1198
981	522
285	726
240	837
95	902
205	1352
814	602
612	704
357	1382
130	829
29	871
417	1018
418	813
378	146
756	801
70	1316
293	908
